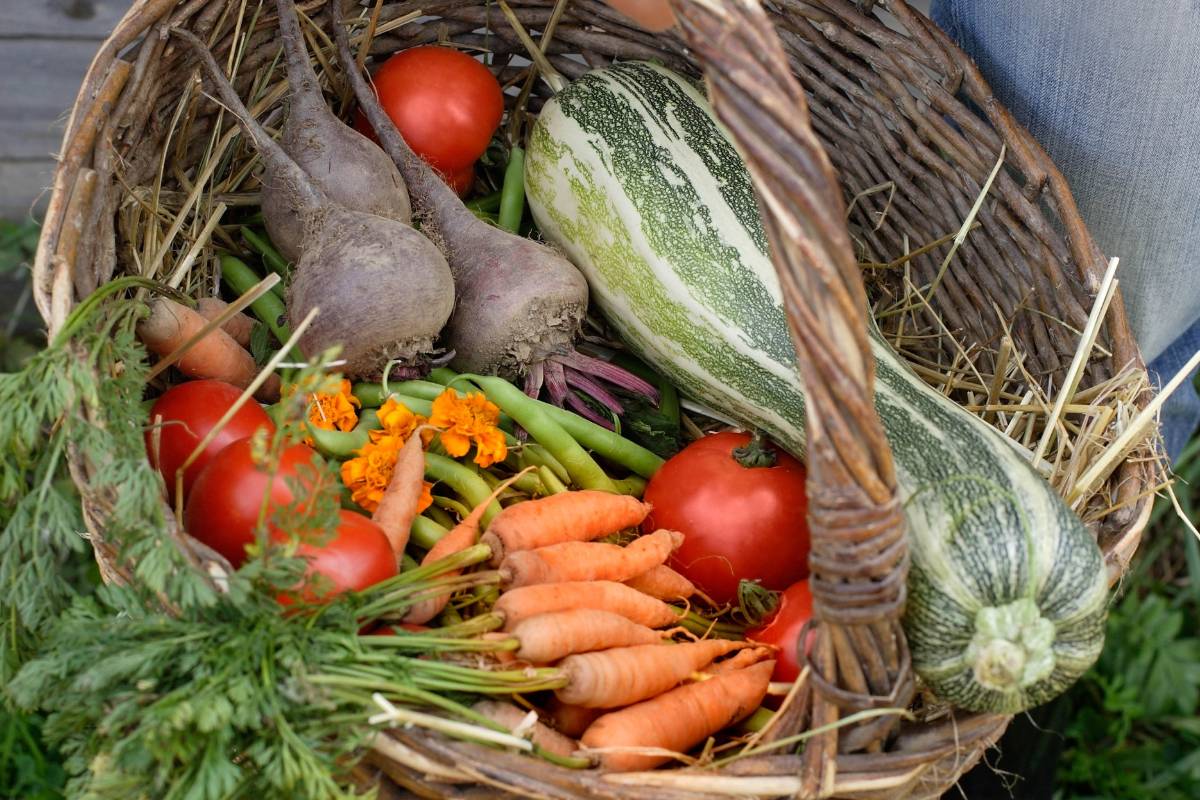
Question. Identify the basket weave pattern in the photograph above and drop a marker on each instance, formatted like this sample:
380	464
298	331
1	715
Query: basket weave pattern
827	103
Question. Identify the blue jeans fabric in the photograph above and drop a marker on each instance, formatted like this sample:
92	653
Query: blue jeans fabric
1111	89
1181	413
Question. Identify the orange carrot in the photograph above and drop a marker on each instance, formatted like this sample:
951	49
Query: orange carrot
526	601
739	660
568	719
664	583
215	356
625	675
549	637
511	717
567	517
398	507
502	656
238	326
679	719
460	537
588	561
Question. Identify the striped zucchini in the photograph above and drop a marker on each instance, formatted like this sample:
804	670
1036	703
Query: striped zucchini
630	174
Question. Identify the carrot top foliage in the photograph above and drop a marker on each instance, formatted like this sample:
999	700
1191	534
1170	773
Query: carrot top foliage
168	684
84	393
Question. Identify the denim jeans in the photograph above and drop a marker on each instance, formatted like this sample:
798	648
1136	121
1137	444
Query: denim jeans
1111	89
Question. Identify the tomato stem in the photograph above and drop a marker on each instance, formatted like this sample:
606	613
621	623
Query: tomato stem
756	453
756	602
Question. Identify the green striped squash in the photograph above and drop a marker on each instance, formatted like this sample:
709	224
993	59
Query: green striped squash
630	174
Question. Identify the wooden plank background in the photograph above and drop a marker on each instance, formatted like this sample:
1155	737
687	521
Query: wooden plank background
45	49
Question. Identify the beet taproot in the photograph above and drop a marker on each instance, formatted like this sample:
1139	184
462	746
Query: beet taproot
383	290
348	167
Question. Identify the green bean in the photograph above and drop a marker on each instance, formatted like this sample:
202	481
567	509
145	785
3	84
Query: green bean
270	256
450	504
442	375
240	278
487	203
440	516
462	480
634	485
530	485
426	390
512	194
609	444
488	478
538	456
407	562
529	413
550	481
369	394
343	444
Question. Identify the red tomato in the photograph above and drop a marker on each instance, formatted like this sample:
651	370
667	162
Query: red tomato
358	555
446	104
783	631
739	523
462	181
223	508
189	411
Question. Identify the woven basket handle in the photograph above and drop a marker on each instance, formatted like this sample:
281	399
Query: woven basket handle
859	555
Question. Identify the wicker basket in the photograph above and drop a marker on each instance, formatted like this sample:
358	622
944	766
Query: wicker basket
880	102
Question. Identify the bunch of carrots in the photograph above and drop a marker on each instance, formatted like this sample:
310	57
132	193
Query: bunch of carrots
596	612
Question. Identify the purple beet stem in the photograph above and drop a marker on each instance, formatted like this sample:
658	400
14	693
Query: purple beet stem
608	372
588	386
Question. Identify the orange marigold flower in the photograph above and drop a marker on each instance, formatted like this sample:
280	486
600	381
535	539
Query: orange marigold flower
397	420
490	447
368	474
426	499
467	419
334	412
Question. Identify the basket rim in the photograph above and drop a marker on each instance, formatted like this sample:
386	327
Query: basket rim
99	95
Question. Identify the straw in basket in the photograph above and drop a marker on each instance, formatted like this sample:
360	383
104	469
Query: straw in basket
872	141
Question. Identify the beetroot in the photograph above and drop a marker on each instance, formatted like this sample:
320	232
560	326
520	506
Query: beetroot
520	305
348	167
383	290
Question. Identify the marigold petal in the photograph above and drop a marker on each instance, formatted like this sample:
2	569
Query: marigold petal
426	498
455	443
490	447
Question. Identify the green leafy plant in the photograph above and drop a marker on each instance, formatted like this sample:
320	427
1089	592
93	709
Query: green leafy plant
18	241
28	769
1132	725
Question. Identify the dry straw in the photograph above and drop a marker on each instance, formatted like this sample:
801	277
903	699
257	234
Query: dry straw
979	268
